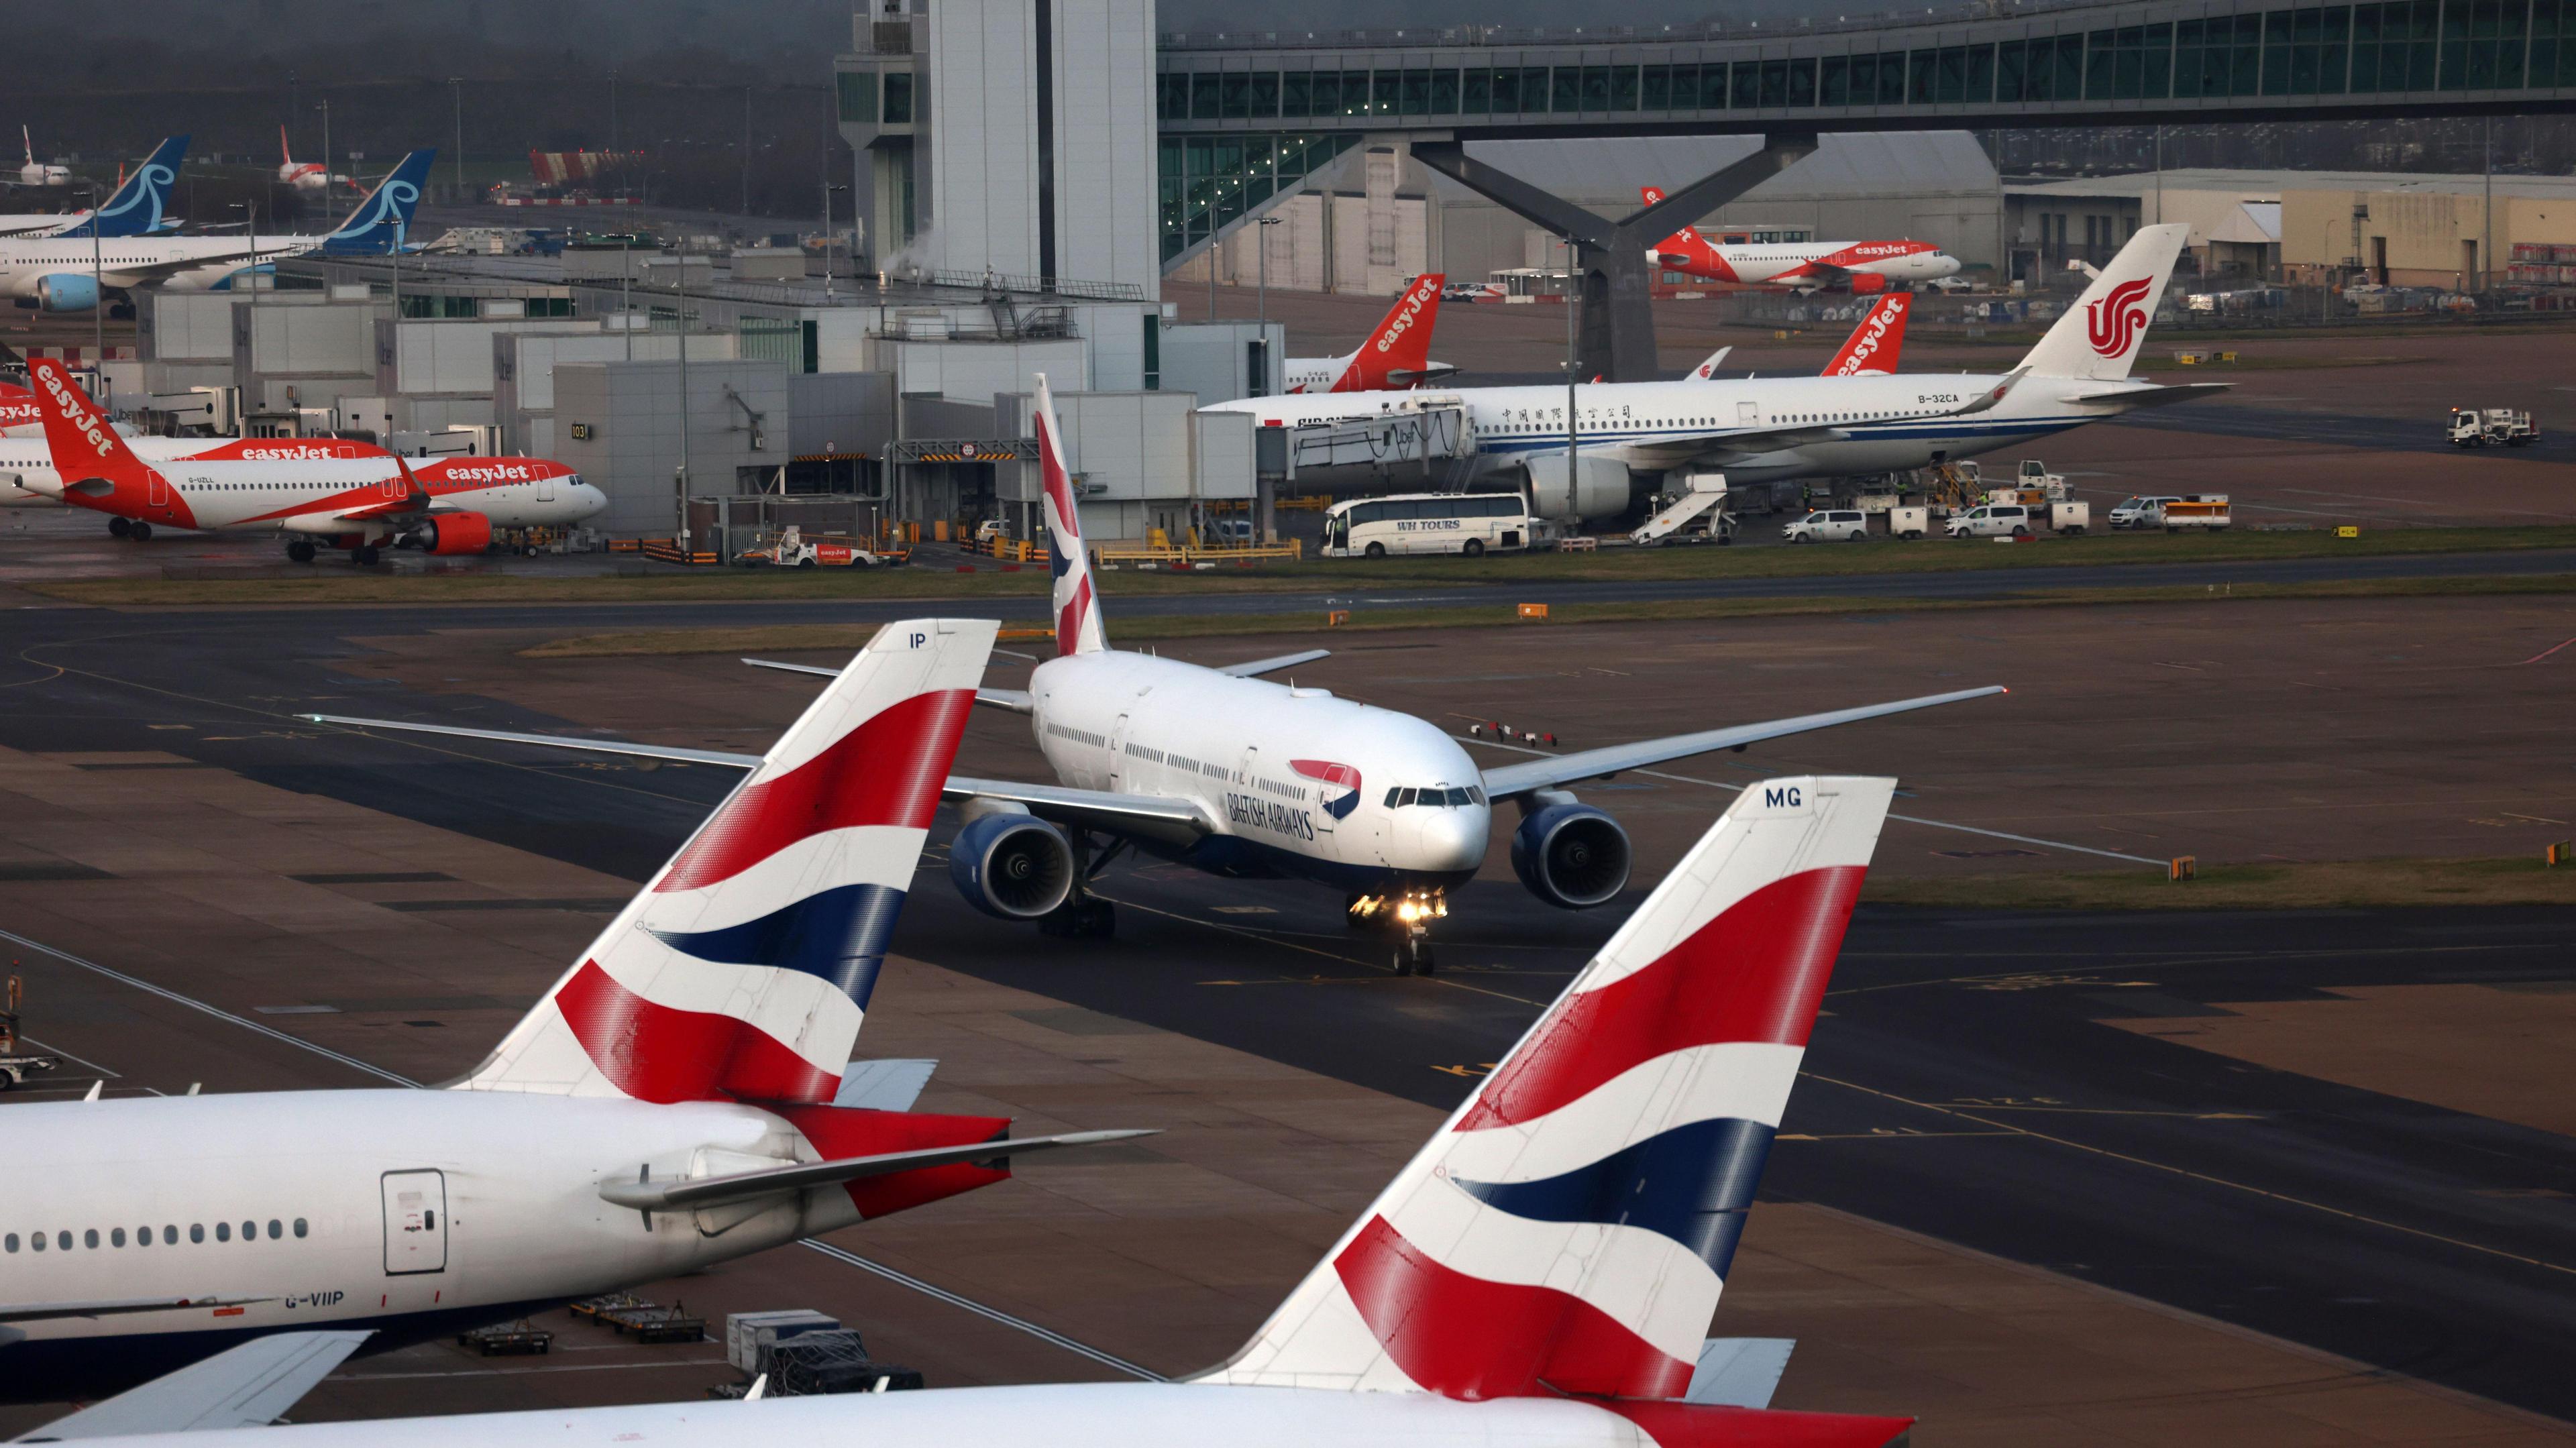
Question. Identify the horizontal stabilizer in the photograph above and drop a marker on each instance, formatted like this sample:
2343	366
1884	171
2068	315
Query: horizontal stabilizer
1739	1372
883	1085
2153	396
1258	667
1550	771
692	1193
249	1386
555	741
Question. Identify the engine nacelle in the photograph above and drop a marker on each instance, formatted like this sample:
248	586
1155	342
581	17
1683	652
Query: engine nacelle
454	533
1014	866
1867	284
1600	487
66	292
1572	856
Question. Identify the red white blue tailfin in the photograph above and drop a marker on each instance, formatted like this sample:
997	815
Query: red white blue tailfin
1569	1229
743	970
1077	608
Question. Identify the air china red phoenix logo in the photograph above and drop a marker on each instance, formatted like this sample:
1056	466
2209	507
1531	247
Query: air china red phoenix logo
2112	324
1332	777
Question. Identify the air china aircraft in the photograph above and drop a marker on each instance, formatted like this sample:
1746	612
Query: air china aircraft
1804	266
138	207
354	502
61	274
1761	429
1542	1274
1231	774
1397	355
684	1095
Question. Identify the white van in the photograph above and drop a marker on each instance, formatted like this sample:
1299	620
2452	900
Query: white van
2142	512
1993	520
1837	525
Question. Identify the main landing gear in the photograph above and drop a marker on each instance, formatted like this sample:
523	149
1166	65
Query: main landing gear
1083	915
134	528
1407	919
299	550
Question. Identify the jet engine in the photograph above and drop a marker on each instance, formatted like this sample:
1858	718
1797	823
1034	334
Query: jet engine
454	533
1015	866
1867	283
1599	488
1572	856
66	292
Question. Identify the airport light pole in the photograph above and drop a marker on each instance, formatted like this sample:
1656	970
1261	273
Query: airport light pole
828	189
1262	267
457	84
1573	296
680	478
98	303
325	109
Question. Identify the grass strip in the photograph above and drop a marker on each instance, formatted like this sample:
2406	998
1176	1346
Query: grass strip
2327	884
785	638
335	588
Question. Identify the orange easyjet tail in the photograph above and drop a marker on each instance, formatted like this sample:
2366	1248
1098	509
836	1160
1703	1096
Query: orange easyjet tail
1398	354
84	445
1872	349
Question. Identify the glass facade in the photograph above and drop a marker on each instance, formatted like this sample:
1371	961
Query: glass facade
1210	182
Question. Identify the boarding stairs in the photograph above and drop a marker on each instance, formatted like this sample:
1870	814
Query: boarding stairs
1701	493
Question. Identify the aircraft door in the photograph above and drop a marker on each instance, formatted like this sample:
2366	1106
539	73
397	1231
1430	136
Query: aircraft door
545	487
415	1222
1748	414
1118	753
158	494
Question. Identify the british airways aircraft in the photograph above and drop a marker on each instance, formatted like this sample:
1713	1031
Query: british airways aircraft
1627	435
1542	1274
1227	772
682	1096
67	274
139	206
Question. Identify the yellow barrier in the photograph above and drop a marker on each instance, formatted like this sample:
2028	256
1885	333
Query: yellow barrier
1288	552
2184	867
1015	635
2347	531
2561	853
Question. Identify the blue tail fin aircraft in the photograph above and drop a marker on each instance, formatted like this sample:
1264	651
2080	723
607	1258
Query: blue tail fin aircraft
140	206
380	224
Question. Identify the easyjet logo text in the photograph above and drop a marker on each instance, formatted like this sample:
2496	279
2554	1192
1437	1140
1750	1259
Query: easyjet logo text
489	473
1872	337
1402	321
68	403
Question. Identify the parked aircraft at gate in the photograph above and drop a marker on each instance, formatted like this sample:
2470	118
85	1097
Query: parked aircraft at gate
675	1100
1764	429
65	274
1224	771
1543	1273
313	492
1396	355
1800	266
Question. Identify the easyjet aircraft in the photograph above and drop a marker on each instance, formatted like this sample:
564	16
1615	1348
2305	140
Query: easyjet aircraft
682	1096
1804	266
1871	350
1542	1274
357	503
1396	356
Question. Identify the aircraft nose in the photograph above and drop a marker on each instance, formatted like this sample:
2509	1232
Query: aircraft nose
1454	839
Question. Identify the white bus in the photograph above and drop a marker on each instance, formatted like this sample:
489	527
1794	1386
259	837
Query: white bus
1468	523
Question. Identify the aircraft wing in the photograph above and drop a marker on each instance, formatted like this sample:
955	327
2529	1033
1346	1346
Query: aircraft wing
680	1194
1255	668
249	1386
1551	771
1015	701
1177	820
116	1307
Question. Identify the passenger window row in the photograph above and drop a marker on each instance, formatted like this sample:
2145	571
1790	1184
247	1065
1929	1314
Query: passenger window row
115	1236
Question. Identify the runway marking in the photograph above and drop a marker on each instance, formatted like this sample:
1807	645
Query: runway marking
993	1314
694	1362
1273	939
2199	1176
218	1012
825	1248
68	1056
1909	819
2544	653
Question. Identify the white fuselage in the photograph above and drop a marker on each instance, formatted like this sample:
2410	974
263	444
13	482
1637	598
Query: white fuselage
1257	759
1065	1415
27	473
1793	264
320	496
1882	423
133	261
314	1201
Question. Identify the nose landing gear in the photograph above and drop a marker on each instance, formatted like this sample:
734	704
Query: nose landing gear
1407	919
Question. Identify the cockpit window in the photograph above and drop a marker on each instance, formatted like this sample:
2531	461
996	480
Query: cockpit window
1443	798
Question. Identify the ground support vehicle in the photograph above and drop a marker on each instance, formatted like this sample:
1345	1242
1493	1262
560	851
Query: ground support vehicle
2491	427
795	548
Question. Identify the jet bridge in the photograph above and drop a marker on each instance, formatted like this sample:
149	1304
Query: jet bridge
1419	430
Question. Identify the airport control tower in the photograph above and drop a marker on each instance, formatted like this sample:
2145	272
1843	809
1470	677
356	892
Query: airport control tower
1009	136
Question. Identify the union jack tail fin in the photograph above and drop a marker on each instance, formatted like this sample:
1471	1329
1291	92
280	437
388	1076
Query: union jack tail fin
2100	336
1873	347
1398	354
1569	1229
743	970
1077	608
